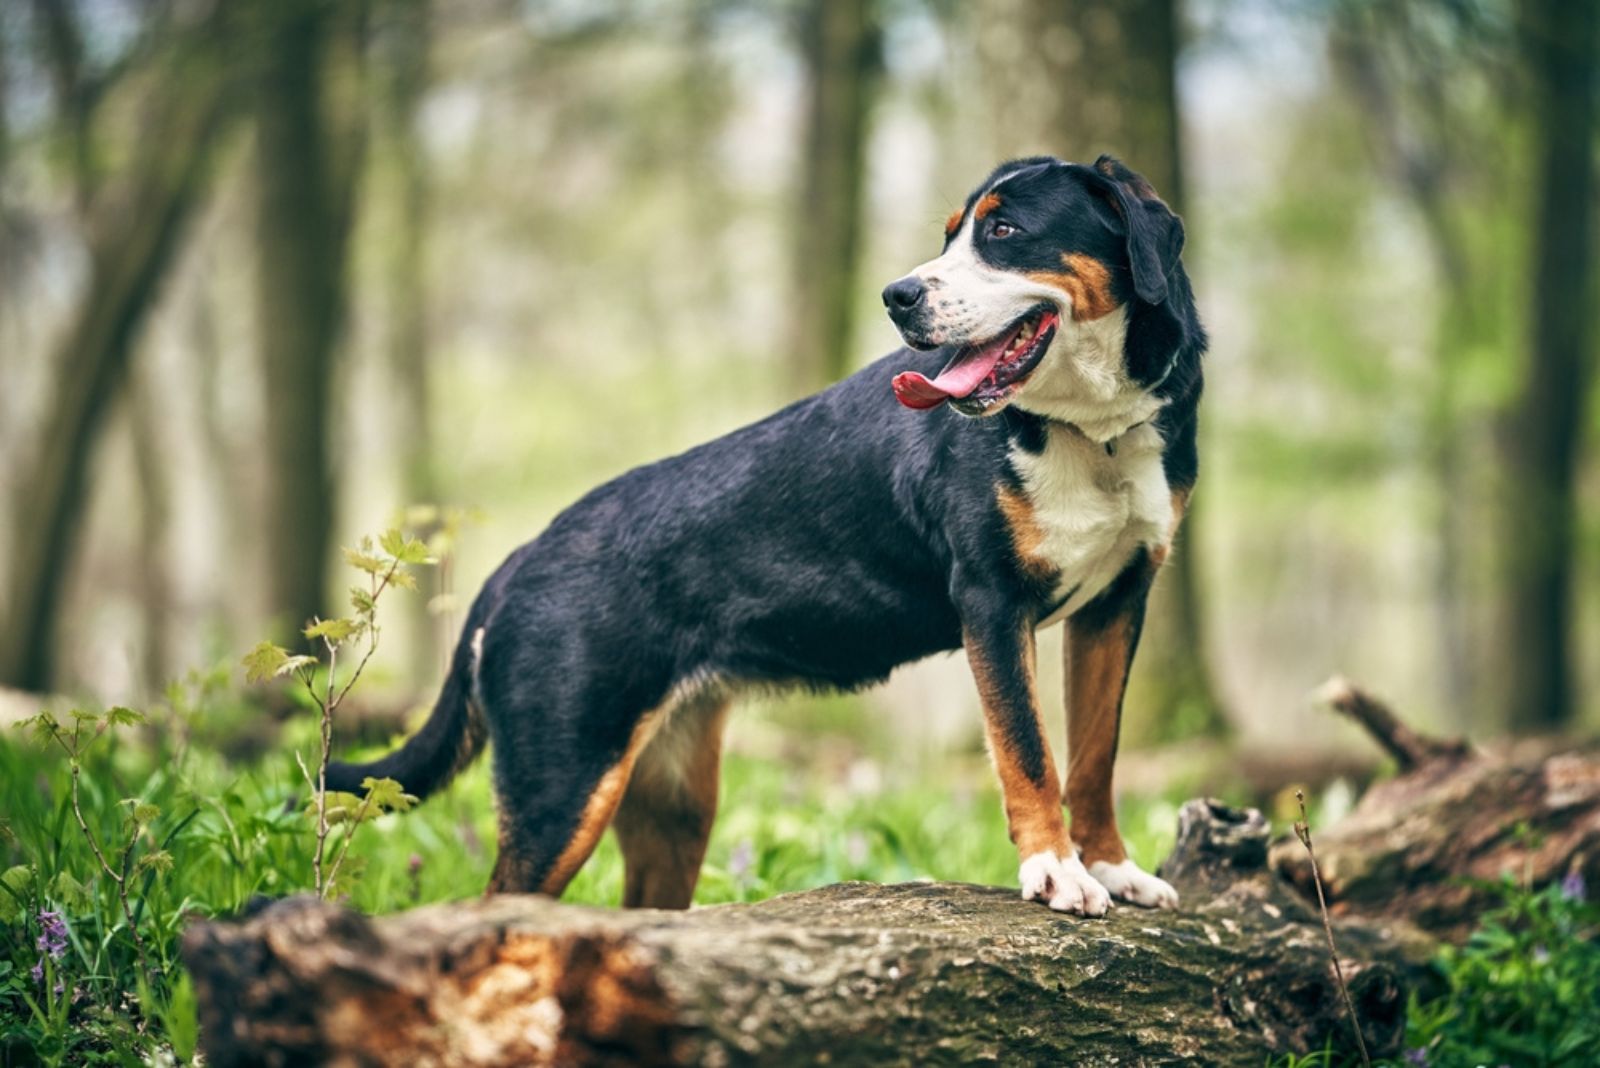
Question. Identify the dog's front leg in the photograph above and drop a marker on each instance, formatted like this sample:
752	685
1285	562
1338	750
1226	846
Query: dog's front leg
1101	641
1001	652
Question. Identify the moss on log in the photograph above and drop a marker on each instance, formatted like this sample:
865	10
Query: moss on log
853	974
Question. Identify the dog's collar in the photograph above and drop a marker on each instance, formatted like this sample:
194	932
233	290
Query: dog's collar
1172	365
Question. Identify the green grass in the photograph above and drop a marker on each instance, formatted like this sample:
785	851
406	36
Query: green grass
810	796
230	832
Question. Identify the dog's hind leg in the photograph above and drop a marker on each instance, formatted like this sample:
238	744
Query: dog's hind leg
668	808
554	809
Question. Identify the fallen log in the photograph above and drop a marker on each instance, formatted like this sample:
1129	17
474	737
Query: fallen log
913	974
1429	843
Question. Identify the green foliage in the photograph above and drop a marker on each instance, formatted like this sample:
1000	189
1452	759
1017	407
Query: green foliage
1524	990
217	831
267	662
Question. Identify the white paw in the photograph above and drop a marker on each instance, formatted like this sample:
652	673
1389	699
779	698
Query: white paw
1064	883
1131	883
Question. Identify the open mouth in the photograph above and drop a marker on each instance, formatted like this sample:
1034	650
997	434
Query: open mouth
985	374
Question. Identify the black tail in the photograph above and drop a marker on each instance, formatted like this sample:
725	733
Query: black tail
446	744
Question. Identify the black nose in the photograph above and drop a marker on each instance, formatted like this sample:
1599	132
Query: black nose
903	295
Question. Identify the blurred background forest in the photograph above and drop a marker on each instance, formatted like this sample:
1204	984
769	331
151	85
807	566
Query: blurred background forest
272	271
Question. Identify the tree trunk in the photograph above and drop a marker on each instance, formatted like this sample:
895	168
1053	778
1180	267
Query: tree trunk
308	144
1106	81
135	226
404	36
1562	47
855	974
61	42
840	44
155	523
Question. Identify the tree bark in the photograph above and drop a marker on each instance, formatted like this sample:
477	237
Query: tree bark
308	145
134	229
854	974
1430	843
1562	48
840	44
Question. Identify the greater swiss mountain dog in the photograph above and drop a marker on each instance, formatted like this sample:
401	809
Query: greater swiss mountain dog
1034	470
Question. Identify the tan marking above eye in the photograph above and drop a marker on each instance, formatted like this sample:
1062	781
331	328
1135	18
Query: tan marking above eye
986	204
952	224
1086	280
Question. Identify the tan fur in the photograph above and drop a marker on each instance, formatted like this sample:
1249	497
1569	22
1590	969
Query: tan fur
953	223
1033	806
1180	504
597	814
1097	672
1027	536
1087	281
986	204
1097	675
666	814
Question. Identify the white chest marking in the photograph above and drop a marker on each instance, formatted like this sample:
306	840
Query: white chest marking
1094	509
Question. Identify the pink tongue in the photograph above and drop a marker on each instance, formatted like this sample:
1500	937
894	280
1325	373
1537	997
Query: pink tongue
916	390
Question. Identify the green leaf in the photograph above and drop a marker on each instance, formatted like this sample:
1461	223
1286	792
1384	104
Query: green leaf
404	580
13	891
392	541
405	550
387	795
70	892
80	715
44	726
361	600
118	716
267	661
362	558
342	807
160	861
334	630
146	814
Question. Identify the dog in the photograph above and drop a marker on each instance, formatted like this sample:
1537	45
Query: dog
1035	470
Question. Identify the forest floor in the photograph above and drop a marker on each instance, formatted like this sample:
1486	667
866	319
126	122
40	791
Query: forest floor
197	812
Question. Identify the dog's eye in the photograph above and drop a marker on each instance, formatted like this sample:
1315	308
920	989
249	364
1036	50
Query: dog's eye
1002	229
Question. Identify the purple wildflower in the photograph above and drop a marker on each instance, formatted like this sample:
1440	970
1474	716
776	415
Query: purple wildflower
414	868
1573	888
1418	1056
739	863
52	943
53	934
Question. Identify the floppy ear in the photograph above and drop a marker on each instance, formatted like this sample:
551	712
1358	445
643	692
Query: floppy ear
1154	233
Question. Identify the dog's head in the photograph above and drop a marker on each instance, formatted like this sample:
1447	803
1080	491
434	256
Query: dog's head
1043	269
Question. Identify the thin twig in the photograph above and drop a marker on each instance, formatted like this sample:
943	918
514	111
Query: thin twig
379	585
328	703
327	706
349	835
1302	830
119	878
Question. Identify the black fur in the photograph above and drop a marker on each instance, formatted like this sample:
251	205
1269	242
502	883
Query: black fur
823	546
